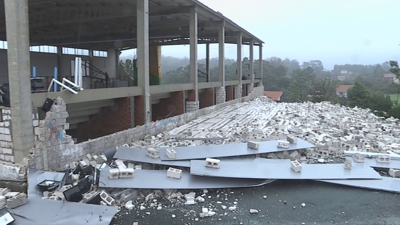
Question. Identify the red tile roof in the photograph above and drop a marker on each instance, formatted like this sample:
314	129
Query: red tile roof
343	88
274	95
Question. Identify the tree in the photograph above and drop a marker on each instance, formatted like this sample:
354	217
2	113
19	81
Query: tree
358	96
316	65
301	85
396	71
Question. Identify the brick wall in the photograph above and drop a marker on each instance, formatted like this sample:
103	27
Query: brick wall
111	119
229	93
140	114
244	90
169	107
191	95
206	97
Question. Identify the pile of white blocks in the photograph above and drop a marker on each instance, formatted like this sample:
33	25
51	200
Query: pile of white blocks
174	173
171	153
116	173
253	145
213	163
296	166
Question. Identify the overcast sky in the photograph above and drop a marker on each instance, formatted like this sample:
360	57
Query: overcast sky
333	31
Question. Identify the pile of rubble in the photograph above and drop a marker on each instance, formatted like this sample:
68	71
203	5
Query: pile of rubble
333	133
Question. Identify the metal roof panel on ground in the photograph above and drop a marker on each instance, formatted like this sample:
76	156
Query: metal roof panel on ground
140	155
385	184
157	179
45	211
227	150
273	170
393	164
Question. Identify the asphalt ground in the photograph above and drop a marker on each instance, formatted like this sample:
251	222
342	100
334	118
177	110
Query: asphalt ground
324	204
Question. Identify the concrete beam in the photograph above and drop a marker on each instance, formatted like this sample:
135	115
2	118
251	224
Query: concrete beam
143	53
87	95
89	105
83	113
166	88
205	85
193	52
17	26
77	120
221	45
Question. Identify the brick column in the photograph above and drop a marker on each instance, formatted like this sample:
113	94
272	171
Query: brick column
206	98
229	93
169	107
140	112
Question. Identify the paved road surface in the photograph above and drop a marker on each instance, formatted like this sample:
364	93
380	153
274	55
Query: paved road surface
325	204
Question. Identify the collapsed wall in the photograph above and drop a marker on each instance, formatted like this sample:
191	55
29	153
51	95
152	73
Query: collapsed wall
54	149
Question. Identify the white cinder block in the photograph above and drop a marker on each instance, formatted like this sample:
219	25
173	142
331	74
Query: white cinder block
153	153
126	173
358	157
113	173
292	139
253	145
174	173
212	163
348	164
394	173
283	144
171	153
383	158
296	166
120	164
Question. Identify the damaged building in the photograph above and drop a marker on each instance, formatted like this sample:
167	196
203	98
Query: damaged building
89	137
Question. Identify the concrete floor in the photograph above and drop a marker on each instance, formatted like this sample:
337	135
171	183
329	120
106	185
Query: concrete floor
325	204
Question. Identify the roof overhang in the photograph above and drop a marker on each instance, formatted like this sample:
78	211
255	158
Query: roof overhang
105	24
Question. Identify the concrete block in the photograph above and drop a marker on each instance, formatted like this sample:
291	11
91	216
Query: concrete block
212	163
358	158
120	164
138	167
253	145
113	173
89	156
126	173
83	163
348	164
394	173
383	158
283	144
153	153
131	165
128	196
295	155
174	173
296	166
18	200
7	151
5	137
291	139
107	198
171	153
129	205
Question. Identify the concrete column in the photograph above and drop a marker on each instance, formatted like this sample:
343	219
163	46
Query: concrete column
111	63
239	71
251	61
208	71
193	99
220	91
260	66
143	53
91	86
221	43
17	29
59	62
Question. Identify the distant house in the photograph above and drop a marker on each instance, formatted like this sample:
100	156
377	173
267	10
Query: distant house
388	76
341	77
341	90
274	95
